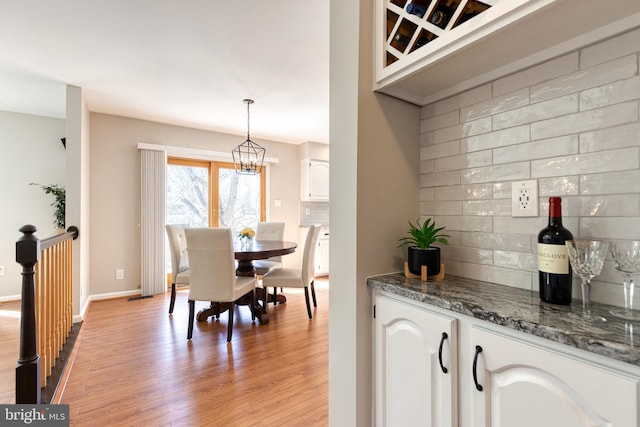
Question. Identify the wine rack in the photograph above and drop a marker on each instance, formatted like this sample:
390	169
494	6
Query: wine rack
412	24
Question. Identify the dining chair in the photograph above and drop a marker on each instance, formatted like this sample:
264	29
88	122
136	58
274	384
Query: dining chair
179	260
298	277
268	231
213	273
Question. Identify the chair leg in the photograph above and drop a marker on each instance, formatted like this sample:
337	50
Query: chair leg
275	294
192	309
172	303
230	325
252	307
313	294
306	298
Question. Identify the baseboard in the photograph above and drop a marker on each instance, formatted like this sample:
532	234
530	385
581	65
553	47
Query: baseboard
9	298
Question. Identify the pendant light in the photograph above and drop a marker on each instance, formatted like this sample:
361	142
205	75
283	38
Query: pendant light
248	156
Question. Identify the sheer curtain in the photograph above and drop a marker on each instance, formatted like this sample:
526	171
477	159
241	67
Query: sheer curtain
152	213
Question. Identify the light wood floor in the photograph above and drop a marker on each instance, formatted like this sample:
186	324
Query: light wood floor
134	366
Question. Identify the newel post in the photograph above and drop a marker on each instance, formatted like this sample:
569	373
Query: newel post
28	368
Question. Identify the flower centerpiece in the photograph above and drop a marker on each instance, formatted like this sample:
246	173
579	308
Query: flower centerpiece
420	250
246	235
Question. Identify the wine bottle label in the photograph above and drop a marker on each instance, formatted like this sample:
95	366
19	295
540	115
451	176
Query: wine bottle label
553	259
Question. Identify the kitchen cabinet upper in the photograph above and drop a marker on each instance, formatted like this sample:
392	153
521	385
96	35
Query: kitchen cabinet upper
482	40
314	180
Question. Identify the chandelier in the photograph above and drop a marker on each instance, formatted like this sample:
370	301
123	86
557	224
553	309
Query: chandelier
248	156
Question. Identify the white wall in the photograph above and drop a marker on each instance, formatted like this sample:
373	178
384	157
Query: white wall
374	191
31	152
571	123
115	191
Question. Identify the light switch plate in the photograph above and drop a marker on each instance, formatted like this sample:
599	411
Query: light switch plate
524	198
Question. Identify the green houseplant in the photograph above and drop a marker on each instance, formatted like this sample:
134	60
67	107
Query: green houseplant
420	241
59	194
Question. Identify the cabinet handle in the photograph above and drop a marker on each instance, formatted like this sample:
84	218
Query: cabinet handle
444	337
475	368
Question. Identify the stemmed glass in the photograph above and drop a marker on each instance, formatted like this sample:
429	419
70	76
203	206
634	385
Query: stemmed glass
626	257
587	258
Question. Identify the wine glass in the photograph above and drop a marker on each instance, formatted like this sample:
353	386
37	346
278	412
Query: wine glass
626	257
587	258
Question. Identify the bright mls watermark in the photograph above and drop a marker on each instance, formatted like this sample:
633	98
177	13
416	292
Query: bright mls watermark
34	415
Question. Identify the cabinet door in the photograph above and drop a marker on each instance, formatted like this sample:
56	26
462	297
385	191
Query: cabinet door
529	386
411	388
318	180
322	257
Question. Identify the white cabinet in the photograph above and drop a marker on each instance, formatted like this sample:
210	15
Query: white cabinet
496	376
413	349
420	62
322	255
526	385
314	180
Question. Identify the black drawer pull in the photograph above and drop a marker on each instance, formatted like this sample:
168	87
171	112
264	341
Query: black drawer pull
444	337
475	368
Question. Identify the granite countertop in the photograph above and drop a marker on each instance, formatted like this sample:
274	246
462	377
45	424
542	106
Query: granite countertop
523	311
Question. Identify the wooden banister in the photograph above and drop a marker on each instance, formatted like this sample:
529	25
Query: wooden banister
47	307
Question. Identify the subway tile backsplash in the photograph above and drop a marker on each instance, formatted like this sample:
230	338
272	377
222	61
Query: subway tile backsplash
314	213
572	123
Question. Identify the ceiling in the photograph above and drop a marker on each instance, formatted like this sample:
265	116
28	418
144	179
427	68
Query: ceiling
188	63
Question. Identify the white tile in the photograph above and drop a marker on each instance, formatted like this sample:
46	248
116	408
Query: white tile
427	111
463	161
613	93
586	121
558	186
464	192
610	205
516	260
603	161
508	225
502	190
426	194
464	254
465	223
506	172
439	178
504	276
509	101
610	183
549	70
487	207
610	227
536	112
610	138
441	121
463	130
463	99
586	78
612	48
545	148
440	150
506	242
510	136
441	207
426	166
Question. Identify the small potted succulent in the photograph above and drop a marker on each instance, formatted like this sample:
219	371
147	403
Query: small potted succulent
421	252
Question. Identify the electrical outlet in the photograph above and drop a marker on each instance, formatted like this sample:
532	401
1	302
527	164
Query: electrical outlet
119	274
524	198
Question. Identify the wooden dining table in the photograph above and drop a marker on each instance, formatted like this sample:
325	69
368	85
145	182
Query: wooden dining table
245	254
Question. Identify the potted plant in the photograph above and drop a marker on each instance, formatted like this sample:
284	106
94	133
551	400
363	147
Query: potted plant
420	250
59	203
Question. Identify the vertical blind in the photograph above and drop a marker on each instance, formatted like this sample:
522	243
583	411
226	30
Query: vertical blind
152	211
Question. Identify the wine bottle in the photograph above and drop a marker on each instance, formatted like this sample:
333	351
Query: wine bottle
554	269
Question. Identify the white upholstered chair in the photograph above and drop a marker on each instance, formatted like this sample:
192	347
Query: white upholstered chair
268	231
213	272
298	277
179	260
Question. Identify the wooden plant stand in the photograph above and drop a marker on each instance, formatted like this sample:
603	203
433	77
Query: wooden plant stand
423	276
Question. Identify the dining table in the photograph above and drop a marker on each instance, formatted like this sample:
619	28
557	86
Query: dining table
245	253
